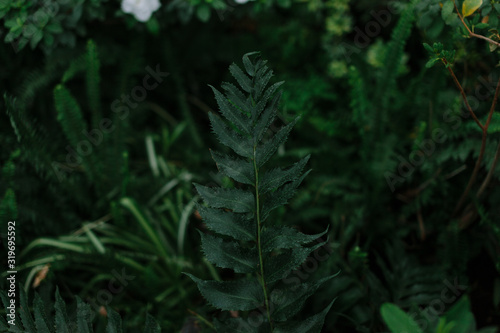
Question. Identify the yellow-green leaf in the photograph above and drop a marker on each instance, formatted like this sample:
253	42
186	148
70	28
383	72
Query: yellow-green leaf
470	6
397	320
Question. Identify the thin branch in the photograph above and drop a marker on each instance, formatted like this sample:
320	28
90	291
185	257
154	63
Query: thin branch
455	172
421	224
462	92
473	176
491	41
493	105
467	217
481	152
470	211
408	195
489	176
472	34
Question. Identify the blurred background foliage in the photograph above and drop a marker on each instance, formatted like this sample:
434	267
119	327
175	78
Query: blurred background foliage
356	72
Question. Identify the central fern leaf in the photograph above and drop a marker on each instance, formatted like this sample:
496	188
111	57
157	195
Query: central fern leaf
244	239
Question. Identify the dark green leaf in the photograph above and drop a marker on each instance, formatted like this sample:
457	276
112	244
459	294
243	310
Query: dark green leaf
231	113
203	12
151	325
277	177
279	266
3	325
69	115
235	225
243	295
264	75
431	62
447	10
481	26
93	80
243	80
288	301
61	316
397	320
153	26
240	145
41	320
238	201
114	322
84	316
228	254
240	170
429	48
26	318
269	114
461	314
235	96
36	38
265	151
285	238
312	324
281	196
249	66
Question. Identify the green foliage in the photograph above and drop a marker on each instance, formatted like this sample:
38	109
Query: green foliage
384	182
458	319
397	320
437	53
261	248
105	221
394	52
42	320
92	80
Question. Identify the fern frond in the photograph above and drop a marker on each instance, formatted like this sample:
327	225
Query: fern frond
93	78
73	124
394	53
359	101
32	137
407	282
34	82
76	66
69	114
386	83
266	253
42	320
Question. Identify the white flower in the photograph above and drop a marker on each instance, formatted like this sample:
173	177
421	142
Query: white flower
241	1
141	9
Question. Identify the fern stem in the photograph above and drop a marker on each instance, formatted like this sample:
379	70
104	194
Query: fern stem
261	261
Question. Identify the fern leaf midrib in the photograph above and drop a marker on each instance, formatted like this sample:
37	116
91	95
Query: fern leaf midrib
257	212
259	229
